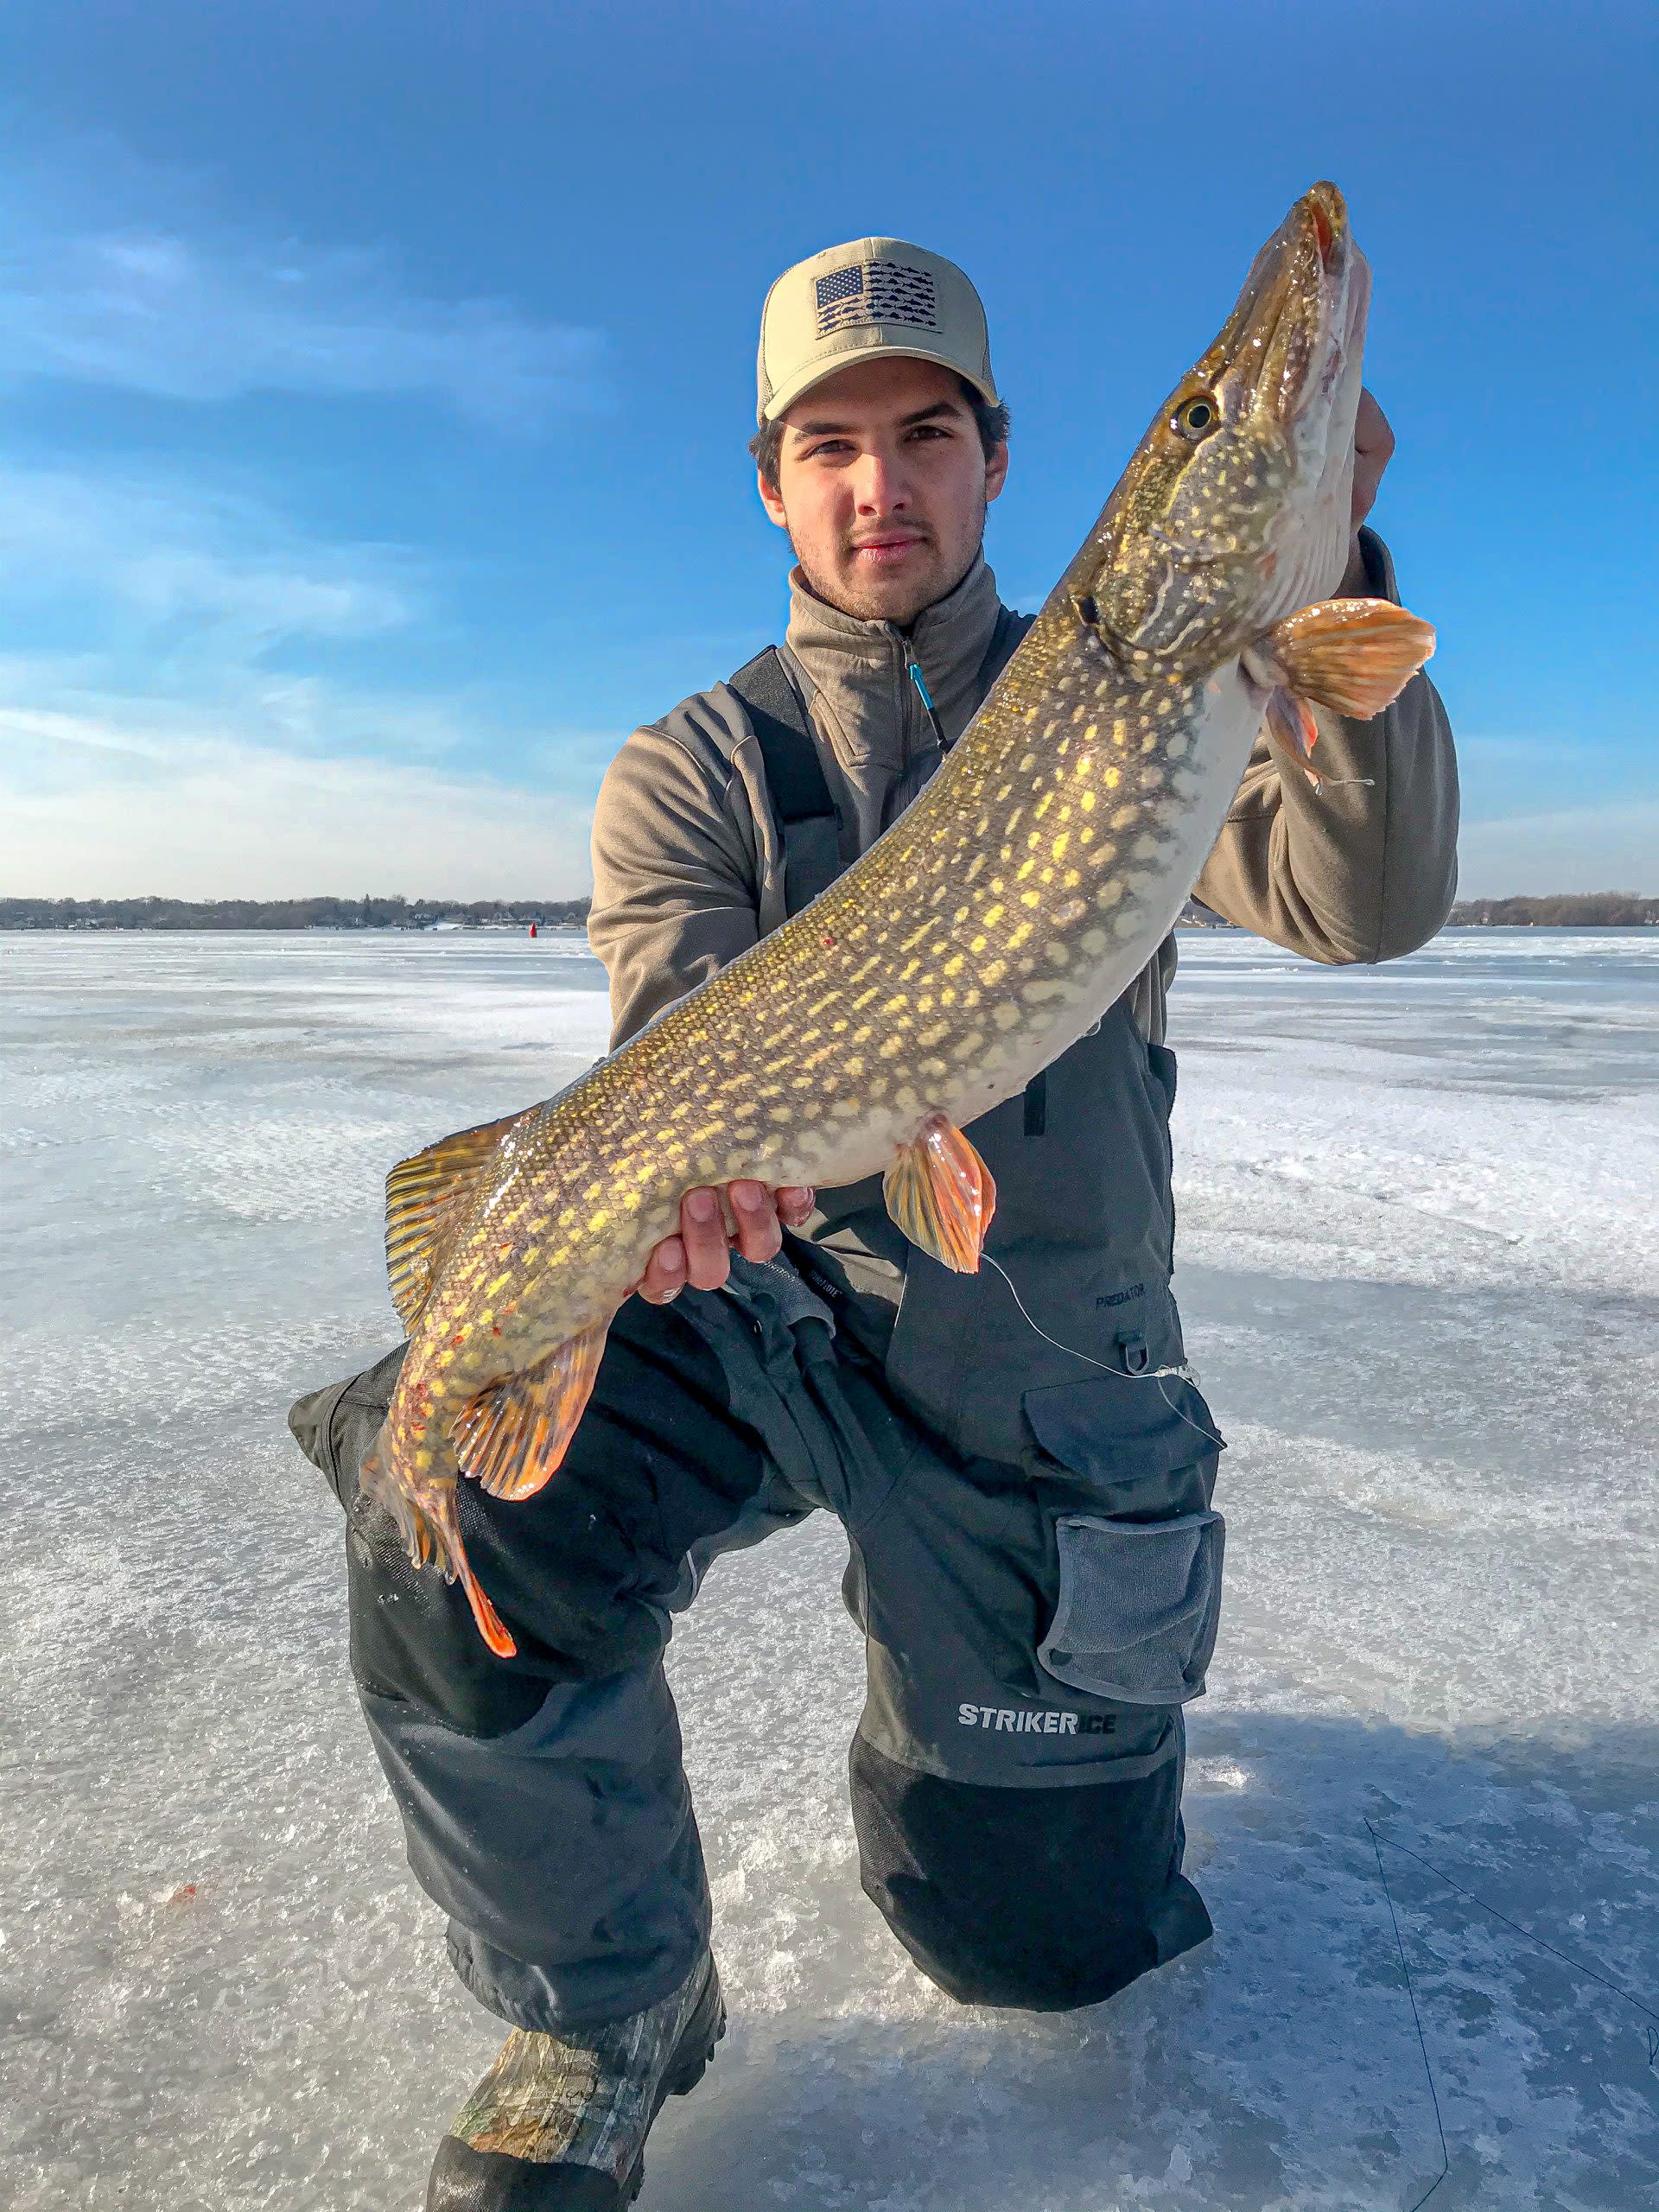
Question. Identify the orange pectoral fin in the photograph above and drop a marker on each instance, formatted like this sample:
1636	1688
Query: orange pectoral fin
1356	655
511	1437
940	1192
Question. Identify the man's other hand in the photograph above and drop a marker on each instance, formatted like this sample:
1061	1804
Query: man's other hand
1373	451
746	1214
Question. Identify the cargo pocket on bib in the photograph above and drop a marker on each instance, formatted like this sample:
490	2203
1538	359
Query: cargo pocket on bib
1138	1605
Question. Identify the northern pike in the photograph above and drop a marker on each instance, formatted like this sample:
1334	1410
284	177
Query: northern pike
993	923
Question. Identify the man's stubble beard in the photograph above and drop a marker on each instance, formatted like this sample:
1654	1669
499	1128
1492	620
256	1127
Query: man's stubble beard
834	594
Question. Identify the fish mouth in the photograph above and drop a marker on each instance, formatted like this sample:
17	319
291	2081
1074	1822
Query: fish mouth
1300	321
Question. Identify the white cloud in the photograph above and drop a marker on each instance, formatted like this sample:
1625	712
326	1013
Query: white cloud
129	555
153	737
92	808
118	277
1612	846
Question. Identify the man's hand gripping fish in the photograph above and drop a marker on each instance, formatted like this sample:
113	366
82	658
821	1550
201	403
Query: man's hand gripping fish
994	923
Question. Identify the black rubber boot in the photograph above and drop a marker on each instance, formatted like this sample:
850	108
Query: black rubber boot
559	2123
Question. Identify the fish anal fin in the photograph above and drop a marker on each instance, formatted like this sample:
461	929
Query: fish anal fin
424	1196
940	1192
511	1437
1356	655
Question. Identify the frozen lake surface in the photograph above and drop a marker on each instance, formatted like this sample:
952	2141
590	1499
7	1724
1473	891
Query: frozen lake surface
1420	1267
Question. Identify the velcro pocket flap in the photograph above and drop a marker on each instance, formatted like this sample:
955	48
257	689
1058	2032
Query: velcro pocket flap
1138	1605
1117	1429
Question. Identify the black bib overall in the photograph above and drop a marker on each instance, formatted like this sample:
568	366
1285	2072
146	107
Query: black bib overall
1032	1558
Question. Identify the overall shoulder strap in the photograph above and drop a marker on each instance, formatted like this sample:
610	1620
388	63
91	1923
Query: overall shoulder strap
794	774
806	814
1005	637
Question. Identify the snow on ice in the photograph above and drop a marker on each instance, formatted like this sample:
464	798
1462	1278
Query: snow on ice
1419	1250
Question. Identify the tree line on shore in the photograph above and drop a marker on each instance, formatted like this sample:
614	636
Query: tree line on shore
365	914
1570	910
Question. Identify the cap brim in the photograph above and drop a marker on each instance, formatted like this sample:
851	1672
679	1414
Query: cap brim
819	372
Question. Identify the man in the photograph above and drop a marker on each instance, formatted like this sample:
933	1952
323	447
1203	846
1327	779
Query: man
1026	1482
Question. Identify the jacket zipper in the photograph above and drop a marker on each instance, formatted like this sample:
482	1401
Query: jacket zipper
913	679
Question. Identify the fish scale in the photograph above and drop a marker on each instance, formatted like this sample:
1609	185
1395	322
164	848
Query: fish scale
996	920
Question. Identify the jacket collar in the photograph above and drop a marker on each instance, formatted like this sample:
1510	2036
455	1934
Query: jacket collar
864	698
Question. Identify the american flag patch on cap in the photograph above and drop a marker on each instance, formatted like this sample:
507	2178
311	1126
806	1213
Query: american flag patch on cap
876	291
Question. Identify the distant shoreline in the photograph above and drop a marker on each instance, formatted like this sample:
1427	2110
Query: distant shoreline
1599	910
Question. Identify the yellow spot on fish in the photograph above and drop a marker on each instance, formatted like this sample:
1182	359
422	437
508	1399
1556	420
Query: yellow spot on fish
489	1288
993	973
1005	1016
1057	849
1027	899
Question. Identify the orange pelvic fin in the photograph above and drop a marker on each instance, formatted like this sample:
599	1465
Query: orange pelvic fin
1356	655
939	1191
512	1437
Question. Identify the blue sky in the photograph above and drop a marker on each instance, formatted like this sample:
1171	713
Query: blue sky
374	382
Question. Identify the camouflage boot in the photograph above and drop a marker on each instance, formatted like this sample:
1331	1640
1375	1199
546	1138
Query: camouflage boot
559	2123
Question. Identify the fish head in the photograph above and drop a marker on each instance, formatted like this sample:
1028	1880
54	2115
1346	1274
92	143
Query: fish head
1235	509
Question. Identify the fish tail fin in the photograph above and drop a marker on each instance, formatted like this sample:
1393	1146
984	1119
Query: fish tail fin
440	1513
376	1482
430	1526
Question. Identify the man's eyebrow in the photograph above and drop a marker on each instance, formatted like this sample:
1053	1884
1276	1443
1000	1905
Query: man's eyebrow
828	429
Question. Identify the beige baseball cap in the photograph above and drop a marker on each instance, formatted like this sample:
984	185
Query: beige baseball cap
870	296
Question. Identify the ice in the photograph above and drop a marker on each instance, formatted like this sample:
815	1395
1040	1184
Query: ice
1419	1244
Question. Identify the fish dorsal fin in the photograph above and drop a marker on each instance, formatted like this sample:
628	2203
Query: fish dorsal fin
511	1437
940	1192
1356	655
424	1196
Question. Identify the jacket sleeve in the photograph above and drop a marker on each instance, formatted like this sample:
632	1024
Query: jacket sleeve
674	876
1366	869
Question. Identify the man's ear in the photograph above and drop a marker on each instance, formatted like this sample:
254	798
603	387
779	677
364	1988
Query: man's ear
772	501
996	469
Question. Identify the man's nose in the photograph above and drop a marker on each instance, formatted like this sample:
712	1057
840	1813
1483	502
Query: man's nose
879	487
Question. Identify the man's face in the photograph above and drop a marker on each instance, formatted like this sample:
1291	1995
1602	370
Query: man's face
882	486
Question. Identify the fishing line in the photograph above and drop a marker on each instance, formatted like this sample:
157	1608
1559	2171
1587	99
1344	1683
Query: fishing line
1539	1942
1184	1372
1577	1965
1416	2021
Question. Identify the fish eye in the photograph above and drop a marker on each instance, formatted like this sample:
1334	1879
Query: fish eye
1196	417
